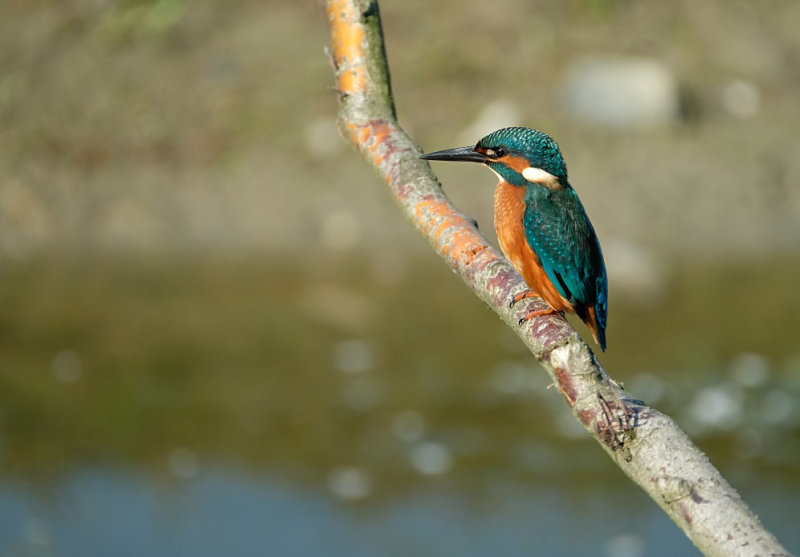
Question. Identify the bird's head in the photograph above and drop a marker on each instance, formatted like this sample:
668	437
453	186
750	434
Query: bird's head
517	155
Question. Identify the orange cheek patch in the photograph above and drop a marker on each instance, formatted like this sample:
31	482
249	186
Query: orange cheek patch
375	137
515	162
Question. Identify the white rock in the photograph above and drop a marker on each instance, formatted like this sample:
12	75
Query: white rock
621	92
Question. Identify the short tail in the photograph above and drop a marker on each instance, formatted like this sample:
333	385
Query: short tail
597	324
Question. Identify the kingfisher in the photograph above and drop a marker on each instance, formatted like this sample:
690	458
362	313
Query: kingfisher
541	225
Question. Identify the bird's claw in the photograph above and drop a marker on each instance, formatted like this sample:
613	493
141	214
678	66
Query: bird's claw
525	294
537	313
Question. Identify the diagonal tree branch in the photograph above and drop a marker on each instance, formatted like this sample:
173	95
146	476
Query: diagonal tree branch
647	445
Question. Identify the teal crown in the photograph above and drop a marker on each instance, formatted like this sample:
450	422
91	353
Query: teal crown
537	147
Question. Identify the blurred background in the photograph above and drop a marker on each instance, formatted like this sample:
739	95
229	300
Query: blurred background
218	336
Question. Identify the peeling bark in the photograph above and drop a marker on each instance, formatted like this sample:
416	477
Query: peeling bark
647	445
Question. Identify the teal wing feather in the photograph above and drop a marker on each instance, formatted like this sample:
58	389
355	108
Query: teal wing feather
560	233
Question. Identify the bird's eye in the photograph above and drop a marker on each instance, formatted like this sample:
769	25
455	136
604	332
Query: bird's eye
499	152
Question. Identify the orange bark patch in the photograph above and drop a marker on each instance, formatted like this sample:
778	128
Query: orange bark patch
463	241
372	137
347	40
354	79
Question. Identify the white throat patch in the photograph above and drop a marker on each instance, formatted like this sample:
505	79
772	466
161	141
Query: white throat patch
539	176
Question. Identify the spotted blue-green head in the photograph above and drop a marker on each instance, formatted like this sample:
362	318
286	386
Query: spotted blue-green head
517	155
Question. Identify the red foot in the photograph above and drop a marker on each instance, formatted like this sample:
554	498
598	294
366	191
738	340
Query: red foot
537	313
522	296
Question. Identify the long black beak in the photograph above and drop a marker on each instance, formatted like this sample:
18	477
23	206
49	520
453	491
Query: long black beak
457	154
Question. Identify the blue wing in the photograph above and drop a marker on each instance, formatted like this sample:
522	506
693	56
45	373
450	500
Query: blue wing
560	233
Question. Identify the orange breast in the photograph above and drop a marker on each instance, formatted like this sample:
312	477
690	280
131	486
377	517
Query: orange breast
509	208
